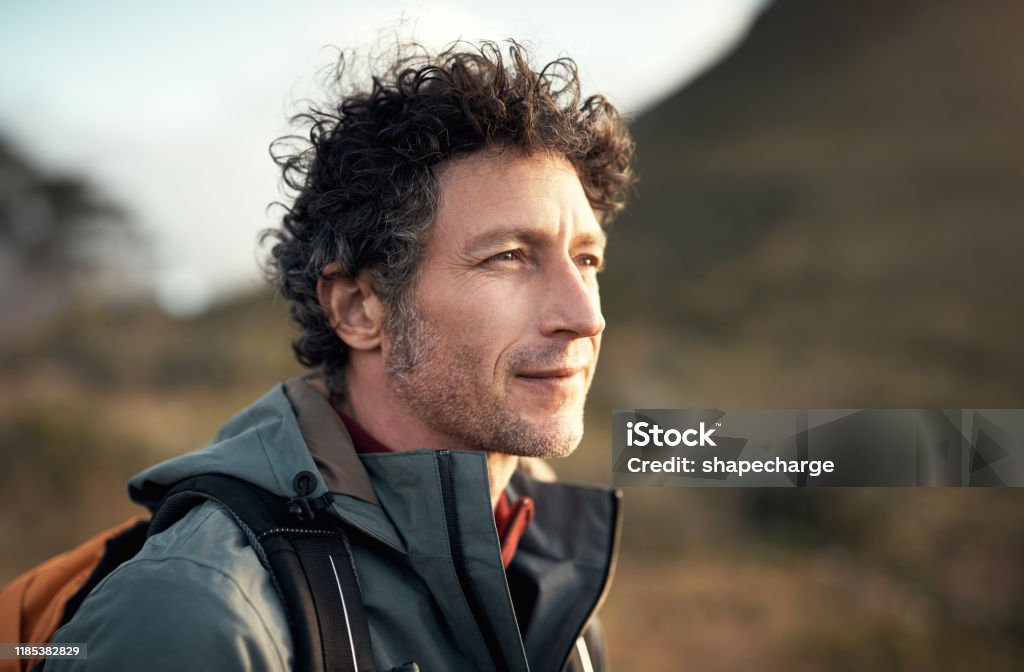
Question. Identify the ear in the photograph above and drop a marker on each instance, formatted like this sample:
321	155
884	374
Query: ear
352	308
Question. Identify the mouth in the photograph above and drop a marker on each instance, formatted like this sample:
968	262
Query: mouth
553	387
554	375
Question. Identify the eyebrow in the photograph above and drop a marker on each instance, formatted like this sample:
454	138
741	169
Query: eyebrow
530	236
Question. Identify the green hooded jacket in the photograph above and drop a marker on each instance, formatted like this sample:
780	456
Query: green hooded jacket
196	597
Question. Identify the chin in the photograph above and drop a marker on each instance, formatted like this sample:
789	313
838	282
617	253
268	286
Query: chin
547	438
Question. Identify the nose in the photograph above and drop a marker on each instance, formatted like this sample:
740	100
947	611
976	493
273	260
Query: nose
571	303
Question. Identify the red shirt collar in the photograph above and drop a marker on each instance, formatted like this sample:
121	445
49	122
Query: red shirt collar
510	519
363	440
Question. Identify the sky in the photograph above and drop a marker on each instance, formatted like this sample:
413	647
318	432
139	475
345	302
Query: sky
169	108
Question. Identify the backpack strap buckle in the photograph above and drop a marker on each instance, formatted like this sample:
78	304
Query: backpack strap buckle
306	508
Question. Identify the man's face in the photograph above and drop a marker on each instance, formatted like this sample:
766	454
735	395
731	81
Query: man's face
508	320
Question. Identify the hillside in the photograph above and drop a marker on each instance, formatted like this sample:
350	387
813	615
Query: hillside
841	197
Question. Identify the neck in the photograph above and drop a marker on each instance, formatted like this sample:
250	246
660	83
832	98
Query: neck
373	406
500	467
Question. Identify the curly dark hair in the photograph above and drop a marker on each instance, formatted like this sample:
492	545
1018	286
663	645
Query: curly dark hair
365	174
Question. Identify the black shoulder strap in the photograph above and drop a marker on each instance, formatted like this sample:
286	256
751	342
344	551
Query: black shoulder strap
308	558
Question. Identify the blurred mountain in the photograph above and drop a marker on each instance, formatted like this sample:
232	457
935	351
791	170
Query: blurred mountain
60	243
847	185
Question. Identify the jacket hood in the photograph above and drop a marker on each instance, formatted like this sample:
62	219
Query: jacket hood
263	444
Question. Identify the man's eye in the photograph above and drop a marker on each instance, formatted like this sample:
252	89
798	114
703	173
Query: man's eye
507	255
590	261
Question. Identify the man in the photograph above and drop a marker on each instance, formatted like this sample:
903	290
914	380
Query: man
441	259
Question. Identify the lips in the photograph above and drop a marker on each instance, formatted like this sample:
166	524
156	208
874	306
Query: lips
561	372
552	388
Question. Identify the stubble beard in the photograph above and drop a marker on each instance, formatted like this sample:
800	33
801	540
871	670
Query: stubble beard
435	380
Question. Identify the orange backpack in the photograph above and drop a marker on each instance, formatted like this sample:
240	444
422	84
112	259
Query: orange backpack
32	607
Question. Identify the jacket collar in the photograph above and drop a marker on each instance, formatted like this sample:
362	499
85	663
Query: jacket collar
328	440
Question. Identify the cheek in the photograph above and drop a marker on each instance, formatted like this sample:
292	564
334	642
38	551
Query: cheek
467	316
485	332
487	310
489	331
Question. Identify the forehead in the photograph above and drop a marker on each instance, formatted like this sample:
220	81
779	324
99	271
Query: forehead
488	194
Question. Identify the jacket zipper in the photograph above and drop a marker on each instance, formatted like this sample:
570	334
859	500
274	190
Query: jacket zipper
616	534
451	519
